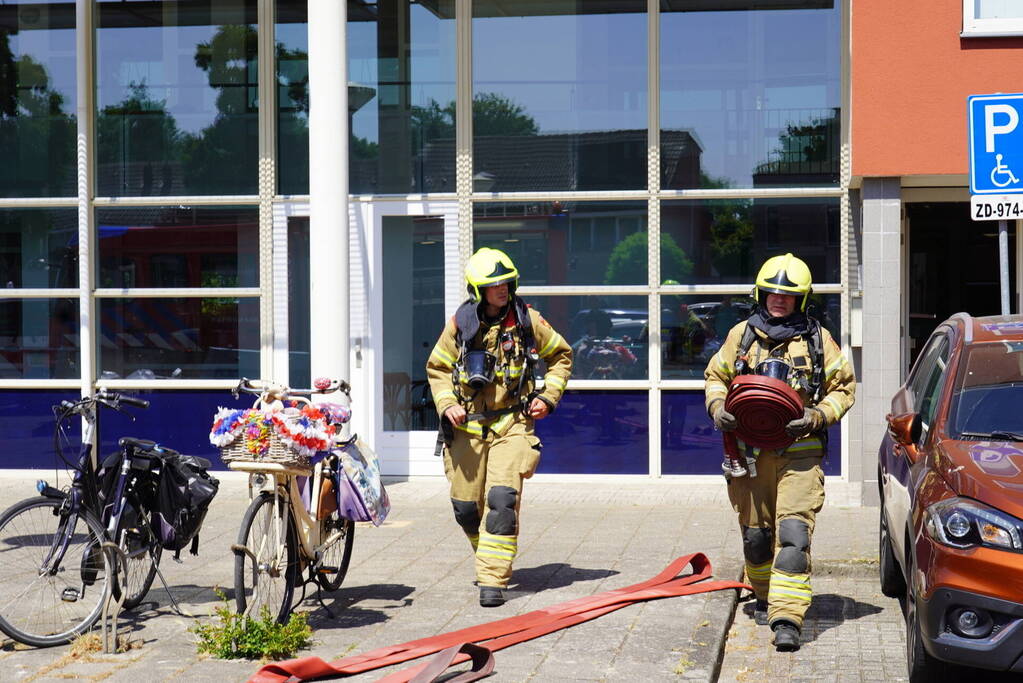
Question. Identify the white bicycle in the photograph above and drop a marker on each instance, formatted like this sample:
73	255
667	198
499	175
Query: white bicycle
283	543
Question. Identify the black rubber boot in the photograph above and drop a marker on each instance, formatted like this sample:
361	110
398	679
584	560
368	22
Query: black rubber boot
786	636
491	596
760	612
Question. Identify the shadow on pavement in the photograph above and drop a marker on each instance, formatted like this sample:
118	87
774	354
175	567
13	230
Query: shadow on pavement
549	576
827	611
343	610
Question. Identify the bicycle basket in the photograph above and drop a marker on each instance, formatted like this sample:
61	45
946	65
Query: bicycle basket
288	437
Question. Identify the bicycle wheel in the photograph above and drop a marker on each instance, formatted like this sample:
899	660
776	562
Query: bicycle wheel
135	536
49	601
336	557
269	580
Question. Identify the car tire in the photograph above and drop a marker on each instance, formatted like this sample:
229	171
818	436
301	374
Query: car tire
921	666
893	583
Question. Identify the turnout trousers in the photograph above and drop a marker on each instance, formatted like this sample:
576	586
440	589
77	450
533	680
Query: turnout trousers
486	474
777	510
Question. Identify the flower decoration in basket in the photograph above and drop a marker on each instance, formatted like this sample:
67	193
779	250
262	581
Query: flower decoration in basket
304	431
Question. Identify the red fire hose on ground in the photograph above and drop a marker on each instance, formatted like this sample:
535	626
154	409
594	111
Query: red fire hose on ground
456	647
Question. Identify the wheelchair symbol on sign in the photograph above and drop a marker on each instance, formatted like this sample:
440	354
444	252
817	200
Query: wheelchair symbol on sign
1001	175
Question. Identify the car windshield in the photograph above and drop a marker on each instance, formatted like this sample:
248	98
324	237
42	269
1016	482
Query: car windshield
989	392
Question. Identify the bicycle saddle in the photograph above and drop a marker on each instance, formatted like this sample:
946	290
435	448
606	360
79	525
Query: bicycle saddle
146	446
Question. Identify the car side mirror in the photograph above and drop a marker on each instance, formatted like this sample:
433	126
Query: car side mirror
905	430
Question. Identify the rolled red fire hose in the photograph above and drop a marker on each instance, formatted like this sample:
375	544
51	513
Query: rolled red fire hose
762	407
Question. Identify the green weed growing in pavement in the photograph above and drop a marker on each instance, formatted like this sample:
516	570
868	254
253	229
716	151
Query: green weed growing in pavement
236	636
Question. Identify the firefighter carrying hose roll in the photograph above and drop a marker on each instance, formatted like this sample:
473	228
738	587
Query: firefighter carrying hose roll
481	373
777	508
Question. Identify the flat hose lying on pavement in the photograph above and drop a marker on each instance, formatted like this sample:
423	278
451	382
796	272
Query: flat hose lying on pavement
497	635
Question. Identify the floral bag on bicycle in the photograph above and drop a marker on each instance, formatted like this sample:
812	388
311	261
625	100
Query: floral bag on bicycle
361	495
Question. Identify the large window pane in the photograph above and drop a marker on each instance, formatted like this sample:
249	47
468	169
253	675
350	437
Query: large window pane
413	291
596	432
568	243
608	334
726	241
401	96
689	444
37	99
176	97
693	328
750	98
38	248
211	338
39	339
559	95
299	343
178	247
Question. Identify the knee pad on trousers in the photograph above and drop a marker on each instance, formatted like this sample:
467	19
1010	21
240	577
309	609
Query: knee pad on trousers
501	519
467	514
794	537
757	545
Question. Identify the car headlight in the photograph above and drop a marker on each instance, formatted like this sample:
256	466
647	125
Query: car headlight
963	523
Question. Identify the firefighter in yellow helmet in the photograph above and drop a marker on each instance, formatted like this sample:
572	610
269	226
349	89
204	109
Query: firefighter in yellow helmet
482	375
778	500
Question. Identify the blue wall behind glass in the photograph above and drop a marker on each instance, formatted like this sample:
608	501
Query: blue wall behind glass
178	419
26	421
691	446
596	432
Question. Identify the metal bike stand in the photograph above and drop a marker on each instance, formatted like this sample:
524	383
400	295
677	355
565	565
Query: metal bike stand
108	618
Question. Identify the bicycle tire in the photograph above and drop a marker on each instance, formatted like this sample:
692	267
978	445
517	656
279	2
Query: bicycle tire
142	550
269	581
49	609
338	556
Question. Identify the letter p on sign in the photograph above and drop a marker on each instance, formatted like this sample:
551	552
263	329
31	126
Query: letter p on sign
991	128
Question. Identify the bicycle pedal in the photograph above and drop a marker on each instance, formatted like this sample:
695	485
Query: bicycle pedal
70	595
325	569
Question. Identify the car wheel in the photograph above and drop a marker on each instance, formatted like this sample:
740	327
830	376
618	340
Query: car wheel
922	667
893	584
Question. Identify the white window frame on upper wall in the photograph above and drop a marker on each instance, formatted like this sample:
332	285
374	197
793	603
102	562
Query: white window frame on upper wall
976	27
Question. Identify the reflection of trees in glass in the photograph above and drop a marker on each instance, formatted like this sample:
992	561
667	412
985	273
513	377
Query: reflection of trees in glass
152	156
36	136
810	147
731	229
628	261
229	60
137	130
492	114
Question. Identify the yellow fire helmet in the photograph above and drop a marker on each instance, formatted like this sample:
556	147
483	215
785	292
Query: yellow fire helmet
489	267
784	275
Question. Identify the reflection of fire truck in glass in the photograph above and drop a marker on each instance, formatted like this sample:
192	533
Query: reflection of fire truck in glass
169	335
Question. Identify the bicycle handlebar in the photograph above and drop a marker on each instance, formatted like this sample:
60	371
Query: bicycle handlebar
110	399
269	391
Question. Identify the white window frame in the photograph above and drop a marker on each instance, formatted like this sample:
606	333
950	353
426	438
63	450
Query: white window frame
976	27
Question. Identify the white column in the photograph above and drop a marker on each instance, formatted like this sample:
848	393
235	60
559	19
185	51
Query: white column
328	190
88	326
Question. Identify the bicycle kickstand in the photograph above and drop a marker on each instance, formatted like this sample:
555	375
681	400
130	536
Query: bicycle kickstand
177	608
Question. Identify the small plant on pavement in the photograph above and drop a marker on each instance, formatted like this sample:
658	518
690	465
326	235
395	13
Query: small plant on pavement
235	636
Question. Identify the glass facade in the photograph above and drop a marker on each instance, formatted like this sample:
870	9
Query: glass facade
401	96
176	98
750	98
37	100
636	184
559	95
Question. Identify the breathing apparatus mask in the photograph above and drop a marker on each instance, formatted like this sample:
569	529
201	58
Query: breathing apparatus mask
479	368
774	367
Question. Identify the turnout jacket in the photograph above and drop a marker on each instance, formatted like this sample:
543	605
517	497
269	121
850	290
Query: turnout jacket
838	390
501	393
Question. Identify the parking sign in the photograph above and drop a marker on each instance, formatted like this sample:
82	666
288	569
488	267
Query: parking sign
996	156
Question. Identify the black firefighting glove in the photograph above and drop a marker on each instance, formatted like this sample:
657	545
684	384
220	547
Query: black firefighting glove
811	422
724	421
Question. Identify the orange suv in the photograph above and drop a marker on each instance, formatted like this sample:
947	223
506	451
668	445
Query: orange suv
950	471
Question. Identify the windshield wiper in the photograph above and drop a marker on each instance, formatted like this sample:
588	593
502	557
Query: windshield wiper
998	435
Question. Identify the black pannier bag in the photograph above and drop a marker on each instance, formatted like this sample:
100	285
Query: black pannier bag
183	496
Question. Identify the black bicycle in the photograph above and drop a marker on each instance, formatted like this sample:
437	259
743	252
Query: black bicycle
54	567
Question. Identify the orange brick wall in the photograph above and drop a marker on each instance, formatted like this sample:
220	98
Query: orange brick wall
911	75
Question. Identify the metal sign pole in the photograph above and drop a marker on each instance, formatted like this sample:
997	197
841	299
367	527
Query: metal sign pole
1003	264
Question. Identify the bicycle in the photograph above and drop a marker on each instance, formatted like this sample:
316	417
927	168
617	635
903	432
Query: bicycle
55	557
280	539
